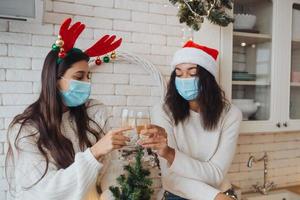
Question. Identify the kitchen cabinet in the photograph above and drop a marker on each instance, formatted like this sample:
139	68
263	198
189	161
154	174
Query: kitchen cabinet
260	64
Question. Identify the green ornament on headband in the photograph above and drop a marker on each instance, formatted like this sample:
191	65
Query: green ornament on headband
57	48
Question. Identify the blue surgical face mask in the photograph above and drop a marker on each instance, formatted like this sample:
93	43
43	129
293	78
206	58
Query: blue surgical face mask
77	94
187	87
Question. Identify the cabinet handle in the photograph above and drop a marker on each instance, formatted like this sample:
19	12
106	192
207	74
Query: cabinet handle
285	124
278	125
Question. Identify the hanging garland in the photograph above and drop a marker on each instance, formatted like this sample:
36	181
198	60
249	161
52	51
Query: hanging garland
193	12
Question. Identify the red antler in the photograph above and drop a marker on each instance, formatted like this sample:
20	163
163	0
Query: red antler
70	35
105	45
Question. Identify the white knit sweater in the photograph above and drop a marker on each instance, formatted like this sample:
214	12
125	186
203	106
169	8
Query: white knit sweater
202	158
76	182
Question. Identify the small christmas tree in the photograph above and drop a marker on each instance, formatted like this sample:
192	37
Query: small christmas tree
135	185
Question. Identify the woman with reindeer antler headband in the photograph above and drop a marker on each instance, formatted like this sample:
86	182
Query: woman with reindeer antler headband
60	143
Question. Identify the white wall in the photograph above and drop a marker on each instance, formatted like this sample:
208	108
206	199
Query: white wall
150	30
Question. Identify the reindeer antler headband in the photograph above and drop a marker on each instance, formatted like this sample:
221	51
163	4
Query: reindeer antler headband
68	36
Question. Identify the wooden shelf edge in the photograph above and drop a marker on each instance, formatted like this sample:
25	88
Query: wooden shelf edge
295	84
259	83
296	40
250	38
252	35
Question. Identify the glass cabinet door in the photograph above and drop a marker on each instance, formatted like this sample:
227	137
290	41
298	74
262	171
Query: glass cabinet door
252	55
295	65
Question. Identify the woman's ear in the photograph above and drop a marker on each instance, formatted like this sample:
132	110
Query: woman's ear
61	84
58	84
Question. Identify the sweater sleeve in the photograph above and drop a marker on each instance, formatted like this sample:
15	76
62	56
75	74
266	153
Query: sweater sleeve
71	183
213	171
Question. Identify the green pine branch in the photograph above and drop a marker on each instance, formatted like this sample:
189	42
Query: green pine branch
135	185
203	9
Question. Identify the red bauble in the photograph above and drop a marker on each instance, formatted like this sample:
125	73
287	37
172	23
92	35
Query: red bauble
98	61
61	54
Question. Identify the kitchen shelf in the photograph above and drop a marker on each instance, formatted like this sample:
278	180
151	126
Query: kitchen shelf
259	83
296	44
295	84
250	38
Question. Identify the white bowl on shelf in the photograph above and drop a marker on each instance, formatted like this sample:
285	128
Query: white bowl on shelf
247	106
244	21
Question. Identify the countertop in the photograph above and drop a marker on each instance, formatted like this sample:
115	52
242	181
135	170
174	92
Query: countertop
295	189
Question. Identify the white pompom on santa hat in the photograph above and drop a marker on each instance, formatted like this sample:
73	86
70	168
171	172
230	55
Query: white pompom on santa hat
197	54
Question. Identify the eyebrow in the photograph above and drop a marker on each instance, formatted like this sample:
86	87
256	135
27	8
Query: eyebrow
188	68
81	72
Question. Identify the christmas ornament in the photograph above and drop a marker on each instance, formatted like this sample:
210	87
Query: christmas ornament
106	59
113	55
59	42
61	53
98	61
55	48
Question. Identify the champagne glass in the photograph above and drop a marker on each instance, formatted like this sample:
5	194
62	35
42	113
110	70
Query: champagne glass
129	120
142	120
124	117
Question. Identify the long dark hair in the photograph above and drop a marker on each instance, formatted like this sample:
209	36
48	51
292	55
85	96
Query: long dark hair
45	116
211	100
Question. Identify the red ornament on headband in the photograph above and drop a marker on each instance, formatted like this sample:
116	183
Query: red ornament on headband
69	34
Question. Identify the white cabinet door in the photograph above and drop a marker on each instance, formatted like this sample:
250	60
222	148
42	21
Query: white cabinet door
290	63
249	70
277	83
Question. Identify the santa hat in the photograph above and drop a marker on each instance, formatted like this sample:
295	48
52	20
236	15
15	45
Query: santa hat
197	54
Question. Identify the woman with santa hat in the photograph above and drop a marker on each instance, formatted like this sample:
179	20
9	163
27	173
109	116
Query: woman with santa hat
195	130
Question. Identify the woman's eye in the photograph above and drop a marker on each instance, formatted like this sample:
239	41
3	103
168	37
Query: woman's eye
78	78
